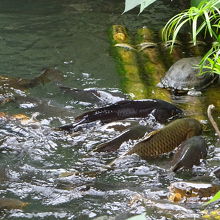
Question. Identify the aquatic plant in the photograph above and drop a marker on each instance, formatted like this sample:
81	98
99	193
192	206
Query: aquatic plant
215	198
211	60
203	18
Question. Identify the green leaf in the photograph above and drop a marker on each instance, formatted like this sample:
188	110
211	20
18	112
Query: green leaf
195	3
208	22
214	199
145	3
194	29
130	4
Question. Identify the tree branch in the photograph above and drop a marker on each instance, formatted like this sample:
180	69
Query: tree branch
215	126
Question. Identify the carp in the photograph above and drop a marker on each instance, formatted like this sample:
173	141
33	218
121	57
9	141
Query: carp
159	109
189	153
166	139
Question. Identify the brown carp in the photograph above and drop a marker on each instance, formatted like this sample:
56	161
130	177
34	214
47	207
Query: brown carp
159	109
189	153
166	139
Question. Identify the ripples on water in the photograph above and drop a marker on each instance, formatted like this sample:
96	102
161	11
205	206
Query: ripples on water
72	36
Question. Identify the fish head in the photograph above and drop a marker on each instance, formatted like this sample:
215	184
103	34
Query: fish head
167	113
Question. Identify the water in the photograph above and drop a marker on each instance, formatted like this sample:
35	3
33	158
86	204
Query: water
72	36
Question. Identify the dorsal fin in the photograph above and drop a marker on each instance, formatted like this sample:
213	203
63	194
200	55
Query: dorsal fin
151	134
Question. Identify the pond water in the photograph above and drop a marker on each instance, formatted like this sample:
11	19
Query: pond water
72	36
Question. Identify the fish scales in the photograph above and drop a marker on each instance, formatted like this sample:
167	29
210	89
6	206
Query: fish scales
166	139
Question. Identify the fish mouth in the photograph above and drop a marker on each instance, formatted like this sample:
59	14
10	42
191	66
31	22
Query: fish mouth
177	114
178	111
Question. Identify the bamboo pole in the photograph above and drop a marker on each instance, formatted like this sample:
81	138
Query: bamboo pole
126	57
153	66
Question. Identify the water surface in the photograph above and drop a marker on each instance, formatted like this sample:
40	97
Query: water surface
72	36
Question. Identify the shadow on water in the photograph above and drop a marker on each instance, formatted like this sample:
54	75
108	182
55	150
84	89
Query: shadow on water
72	36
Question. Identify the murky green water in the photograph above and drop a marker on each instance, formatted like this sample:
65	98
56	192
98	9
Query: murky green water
73	37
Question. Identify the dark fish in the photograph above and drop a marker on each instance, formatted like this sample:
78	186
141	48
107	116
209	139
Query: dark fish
89	95
160	109
189	153
131	134
166	139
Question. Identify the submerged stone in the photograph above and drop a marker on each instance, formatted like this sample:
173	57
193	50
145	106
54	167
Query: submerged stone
180	191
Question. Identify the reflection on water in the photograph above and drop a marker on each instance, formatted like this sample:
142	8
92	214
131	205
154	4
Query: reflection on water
72	36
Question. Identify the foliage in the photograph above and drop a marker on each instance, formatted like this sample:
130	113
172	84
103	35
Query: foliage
130	4
215	198
195	3
211	61
206	12
203	18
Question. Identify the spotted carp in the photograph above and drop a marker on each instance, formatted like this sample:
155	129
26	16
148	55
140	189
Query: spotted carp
159	109
189	153
180	191
166	139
